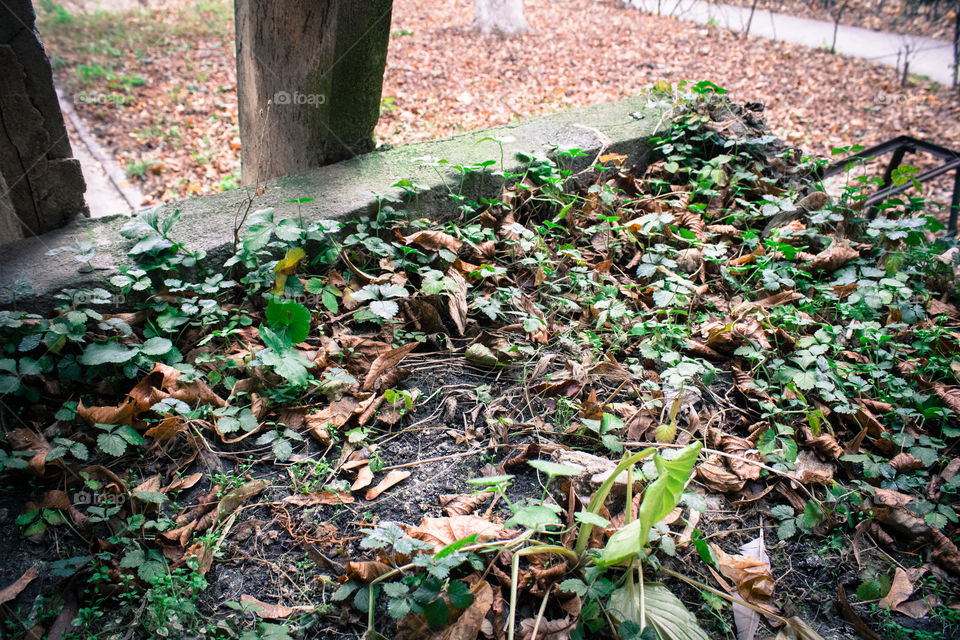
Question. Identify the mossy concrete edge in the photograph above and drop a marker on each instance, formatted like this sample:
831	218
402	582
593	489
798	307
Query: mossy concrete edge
342	191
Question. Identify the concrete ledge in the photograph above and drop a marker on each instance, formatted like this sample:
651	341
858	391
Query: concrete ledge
342	191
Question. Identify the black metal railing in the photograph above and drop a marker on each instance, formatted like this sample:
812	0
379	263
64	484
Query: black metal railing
900	146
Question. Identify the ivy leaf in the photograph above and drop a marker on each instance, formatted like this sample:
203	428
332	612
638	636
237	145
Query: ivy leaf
106	353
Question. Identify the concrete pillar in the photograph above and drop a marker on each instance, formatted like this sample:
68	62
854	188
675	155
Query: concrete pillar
43	184
309	77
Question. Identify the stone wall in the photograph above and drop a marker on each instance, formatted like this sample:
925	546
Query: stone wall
41	185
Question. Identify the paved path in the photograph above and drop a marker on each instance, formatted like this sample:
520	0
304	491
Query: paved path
108	190
931	58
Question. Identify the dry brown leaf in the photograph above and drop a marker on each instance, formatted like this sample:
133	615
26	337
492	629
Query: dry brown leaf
945	553
712	473
367	571
811	470
231	502
467	626
265	610
364	478
461	504
900	589
848	614
751	576
28	440
833	257
737	446
180	484
457	300
329	498
433	240
394	477
11	591
384	363
441	532
904	461
890	498
548	629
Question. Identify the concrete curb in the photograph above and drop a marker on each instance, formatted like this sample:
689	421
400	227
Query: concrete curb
343	191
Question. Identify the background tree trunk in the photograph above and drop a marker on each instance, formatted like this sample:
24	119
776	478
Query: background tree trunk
499	16
309	78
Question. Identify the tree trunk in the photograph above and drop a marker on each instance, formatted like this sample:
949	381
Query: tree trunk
499	16
309	78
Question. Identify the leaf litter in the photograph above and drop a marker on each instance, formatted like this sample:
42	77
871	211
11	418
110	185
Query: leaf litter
790	387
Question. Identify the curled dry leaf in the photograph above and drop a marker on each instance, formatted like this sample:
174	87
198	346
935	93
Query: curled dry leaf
441	532
810	470
900	589
833	257
329	498
461	504
268	611
904	461
737	446
751	576
11	591
848	614
367	571
945	553
712	473
548	629
433	240
394	477
364	478
457	300
385	362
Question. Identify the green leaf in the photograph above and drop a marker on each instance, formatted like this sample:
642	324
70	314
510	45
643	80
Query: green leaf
290	319
151	570
129	434
659	499
453	547
133	558
553	468
156	347
385	309
282	449
806	380
534	516
436	613
459	594
112	444
397	607
574	586
813	515
106	353
588	517
667	614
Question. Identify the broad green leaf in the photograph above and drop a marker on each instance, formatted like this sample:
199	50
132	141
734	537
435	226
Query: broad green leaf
156	347
129	434
133	558
385	309
112	444
151	570
534	517
553	468
459	594
282	449
588	517
436	613
664	611
289	319
659	499
107	353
